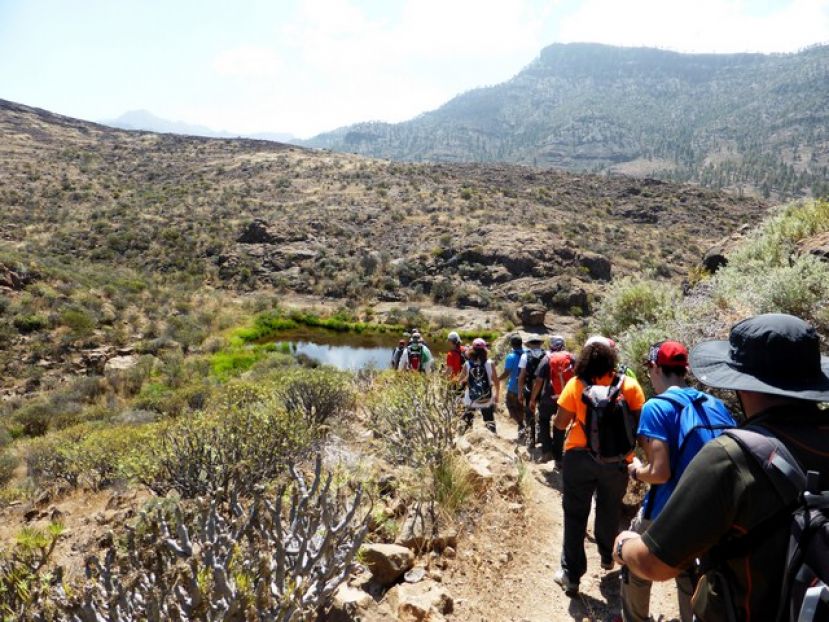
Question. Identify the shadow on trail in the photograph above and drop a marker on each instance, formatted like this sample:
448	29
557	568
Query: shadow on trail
586	607
551	477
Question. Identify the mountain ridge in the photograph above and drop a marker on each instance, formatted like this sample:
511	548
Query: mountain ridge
745	121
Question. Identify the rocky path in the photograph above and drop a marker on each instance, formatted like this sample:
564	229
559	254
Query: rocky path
505	570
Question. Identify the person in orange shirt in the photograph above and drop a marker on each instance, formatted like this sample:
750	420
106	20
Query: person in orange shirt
587	470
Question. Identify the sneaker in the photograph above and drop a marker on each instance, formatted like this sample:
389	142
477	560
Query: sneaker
608	564
570	587
522	434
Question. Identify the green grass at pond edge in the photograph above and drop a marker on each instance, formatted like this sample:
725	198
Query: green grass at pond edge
245	347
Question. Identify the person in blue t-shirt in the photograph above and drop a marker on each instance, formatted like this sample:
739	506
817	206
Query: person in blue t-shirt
511	370
673	427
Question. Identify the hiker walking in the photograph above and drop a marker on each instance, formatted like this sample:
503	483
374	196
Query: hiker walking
556	368
603	406
528	365
673	427
750	503
511	371
416	356
456	355
482	385
397	353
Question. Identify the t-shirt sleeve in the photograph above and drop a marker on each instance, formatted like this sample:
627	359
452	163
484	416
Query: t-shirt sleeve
634	396
523	362
570	395
653	421
699	512
543	370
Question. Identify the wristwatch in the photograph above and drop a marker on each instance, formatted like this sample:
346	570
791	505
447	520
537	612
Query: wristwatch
619	546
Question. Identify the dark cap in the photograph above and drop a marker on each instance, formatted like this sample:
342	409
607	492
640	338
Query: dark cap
772	353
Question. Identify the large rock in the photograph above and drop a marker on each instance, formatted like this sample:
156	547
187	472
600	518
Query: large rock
817	245
351	604
387	562
426	601
532	315
598	266
258	232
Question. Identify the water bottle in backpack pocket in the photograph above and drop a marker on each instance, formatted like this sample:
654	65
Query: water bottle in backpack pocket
610	427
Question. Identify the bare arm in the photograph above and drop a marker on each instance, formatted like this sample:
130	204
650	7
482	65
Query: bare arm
637	556
539	382
497	382
658	468
521	378
563	418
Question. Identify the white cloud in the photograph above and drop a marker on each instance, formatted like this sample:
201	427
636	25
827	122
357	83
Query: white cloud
701	25
247	62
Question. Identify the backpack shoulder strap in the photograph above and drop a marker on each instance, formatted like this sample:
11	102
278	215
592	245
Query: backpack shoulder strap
774	458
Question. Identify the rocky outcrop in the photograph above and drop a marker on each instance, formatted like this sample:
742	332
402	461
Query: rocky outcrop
817	245
426	601
13	277
598	266
532	315
258	232
387	562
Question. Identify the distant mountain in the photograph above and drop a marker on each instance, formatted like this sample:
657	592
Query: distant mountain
749	121
148	122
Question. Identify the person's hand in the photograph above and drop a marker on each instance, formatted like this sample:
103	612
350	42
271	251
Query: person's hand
625	535
633	467
532	405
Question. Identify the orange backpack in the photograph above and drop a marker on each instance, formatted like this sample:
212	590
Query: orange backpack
562	365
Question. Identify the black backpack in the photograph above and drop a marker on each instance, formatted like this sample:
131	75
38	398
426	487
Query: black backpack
534	358
610	427
478	382
804	595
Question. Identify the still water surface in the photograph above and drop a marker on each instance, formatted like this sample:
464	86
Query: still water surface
344	350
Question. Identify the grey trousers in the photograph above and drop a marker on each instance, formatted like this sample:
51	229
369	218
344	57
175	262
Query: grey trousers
582	476
636	592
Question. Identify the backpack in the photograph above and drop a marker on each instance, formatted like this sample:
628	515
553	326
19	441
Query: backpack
689	411
479	384
395	357
562	364
610	427
804	595
534	358
415	357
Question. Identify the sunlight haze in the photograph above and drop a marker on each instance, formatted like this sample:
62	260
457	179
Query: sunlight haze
306	67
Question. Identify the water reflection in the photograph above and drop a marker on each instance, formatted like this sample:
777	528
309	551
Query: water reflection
343	356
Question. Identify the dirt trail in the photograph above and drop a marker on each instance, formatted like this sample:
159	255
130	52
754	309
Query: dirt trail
505	569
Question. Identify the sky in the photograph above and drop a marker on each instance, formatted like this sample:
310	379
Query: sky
308	66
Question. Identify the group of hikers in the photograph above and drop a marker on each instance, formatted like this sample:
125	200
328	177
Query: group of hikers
738	516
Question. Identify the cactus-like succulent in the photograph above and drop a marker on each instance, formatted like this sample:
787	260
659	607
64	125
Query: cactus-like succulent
230	563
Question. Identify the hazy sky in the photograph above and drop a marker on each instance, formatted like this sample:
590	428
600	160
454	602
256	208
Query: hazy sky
306	66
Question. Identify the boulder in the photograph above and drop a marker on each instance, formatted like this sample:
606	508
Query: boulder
532	315
120	364
817	245
387	562
350	604
480	475
598	266
426	601
258	232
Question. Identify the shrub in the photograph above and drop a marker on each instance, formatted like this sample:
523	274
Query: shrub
8	464
212	454
317	395
255	562
632	301
80	323
30	323
25	584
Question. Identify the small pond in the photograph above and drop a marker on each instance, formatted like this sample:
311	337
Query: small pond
351	351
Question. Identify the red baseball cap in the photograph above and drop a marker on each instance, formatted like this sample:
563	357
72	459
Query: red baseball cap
670	353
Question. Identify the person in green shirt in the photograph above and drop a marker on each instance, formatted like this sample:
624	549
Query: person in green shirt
773	362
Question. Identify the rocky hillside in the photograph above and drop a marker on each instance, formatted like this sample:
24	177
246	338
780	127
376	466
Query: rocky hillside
249	214
746	121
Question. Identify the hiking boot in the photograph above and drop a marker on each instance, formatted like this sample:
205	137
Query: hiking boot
571	588
608	564
522	434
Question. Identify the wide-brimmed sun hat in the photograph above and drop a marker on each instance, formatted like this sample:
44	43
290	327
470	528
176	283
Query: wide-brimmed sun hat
772	353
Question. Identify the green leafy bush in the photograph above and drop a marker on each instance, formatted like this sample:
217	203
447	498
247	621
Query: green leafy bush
317	395
30	323
8	464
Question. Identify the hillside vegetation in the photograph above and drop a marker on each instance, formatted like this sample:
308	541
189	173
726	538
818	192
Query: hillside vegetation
743	121
134	240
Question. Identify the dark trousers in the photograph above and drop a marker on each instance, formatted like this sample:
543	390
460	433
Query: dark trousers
550	444
582	476
487	413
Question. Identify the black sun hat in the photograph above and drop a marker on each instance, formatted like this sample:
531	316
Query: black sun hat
772	353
